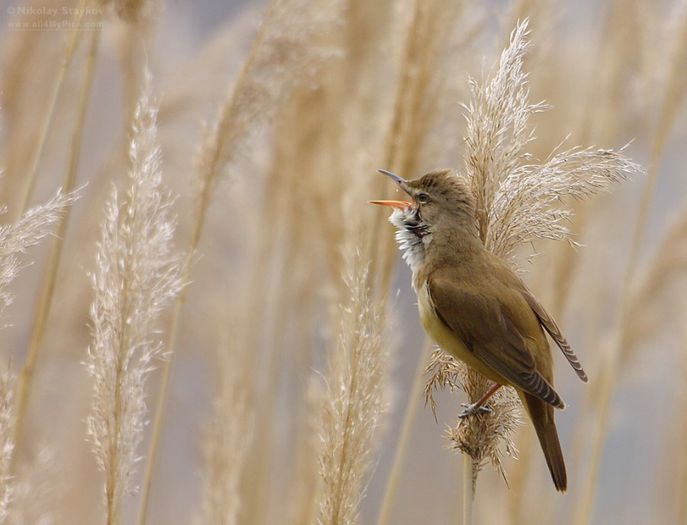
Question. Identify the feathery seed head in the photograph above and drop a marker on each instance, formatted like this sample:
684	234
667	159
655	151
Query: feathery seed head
15	238
354	403
136	276
517	199
485	436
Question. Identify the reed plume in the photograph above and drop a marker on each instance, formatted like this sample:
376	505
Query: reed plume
136	276
475	440
31	227
354	403
518	199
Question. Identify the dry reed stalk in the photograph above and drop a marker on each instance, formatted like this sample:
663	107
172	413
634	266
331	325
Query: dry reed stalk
37	490
15	238
306	484
680	481
652	298
601	120
56	89
606	99
137	12
50	274
265	307
131	55
518	477
400	453
285	53
287	229
470	481
518	202
521	10
136	276
415	102
650	302
674	91
7	443
357	113
599	107
356	382
21	115
231	432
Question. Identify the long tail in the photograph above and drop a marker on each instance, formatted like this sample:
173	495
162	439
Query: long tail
542	417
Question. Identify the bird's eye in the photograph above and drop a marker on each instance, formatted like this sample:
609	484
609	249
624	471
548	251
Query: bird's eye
422	198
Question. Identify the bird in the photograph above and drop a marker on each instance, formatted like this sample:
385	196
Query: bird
475	307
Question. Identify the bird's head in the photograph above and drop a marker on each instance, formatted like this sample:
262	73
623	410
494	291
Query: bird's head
439	200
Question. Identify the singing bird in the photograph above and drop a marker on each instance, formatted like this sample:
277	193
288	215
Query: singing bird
475	307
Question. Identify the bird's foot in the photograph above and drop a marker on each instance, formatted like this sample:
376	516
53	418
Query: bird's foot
473	408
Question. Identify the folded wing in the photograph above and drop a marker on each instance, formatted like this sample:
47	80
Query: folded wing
489	330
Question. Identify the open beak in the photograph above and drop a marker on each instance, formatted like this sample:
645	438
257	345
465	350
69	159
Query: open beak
398	180
402	183
394	204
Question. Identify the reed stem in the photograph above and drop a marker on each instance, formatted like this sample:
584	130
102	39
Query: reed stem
400	454
206	193
50	277
611	367
384	245
56	89
469	482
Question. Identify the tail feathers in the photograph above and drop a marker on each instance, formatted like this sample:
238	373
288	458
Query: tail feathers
543	420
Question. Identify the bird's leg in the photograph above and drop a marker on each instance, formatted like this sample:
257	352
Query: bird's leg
478	406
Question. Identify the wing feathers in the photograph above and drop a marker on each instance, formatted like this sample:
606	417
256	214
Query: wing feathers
552	328
530	381
488	331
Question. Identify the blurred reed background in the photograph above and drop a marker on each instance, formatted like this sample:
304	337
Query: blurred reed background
275	312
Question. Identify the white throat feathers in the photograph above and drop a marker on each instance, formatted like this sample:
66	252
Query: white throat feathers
413	236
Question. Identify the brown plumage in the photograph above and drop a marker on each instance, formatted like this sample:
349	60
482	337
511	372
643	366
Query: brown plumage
475	307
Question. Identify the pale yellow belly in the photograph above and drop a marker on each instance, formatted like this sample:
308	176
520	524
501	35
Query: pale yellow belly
447	341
